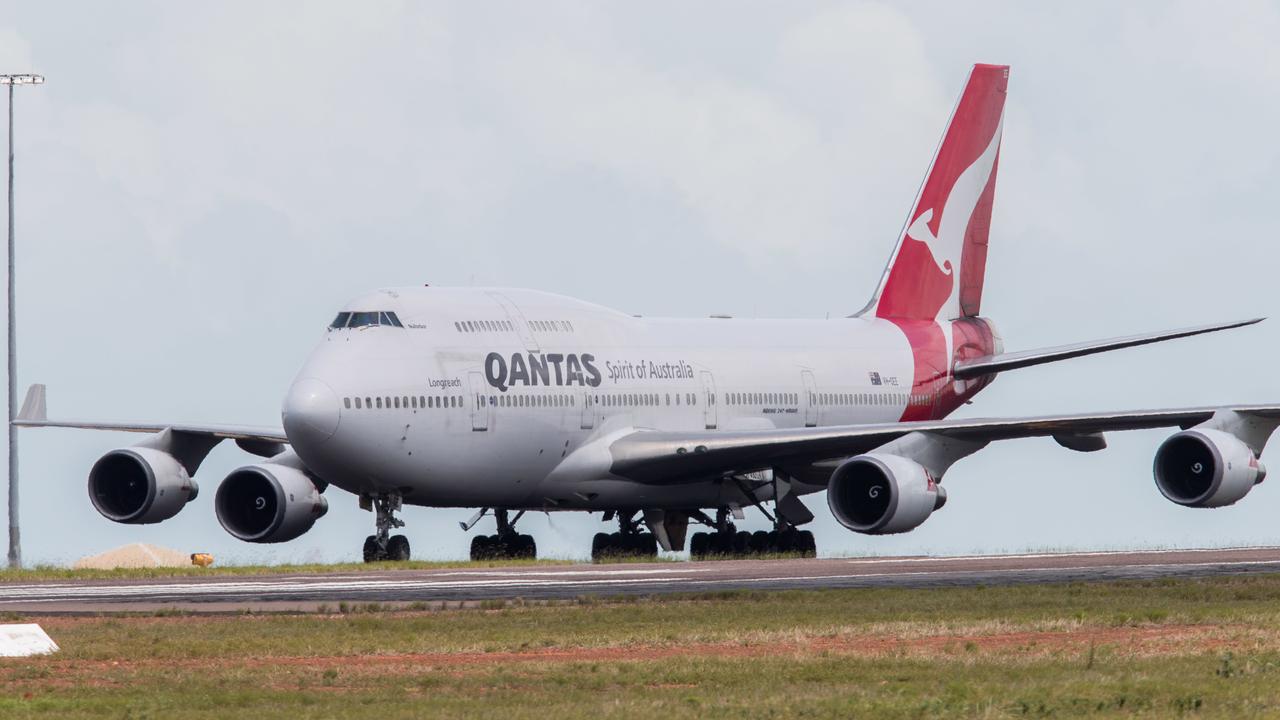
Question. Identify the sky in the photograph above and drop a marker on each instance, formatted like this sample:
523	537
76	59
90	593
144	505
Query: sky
199	186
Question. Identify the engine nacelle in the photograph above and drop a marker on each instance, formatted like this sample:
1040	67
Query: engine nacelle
882	494
1206	468
140	485
268	503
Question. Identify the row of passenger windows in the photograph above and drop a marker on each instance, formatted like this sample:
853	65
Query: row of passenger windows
471	326
364	319
483	326
551	325
737	398
412	402
849	399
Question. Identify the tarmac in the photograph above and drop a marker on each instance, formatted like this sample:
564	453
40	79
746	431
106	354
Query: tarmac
446	586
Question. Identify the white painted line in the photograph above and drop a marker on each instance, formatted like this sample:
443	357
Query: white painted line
187	590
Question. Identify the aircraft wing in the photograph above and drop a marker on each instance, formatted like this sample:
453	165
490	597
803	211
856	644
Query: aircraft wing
33	414
662	457
1026	358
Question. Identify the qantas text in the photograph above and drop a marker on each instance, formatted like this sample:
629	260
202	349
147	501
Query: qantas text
541	369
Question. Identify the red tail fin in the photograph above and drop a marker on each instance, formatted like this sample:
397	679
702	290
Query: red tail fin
937	269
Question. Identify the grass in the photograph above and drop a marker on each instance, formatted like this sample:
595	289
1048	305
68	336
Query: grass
43	573
1195	648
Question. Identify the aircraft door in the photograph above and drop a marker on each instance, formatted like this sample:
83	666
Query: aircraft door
588	411
809	399
709	399
479	402
517	320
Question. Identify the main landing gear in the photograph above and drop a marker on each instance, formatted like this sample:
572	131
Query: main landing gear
507	544
628	542
728	541
383	545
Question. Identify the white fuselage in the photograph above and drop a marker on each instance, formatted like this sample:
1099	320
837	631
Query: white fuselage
509	398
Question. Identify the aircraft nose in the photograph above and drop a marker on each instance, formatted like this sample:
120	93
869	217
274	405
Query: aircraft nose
310	411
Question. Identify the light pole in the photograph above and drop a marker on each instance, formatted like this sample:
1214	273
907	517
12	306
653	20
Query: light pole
15	542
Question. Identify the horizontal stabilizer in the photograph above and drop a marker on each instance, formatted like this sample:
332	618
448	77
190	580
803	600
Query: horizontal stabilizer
1026	358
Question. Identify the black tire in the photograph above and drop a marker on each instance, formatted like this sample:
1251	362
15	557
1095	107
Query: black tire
698	545
371	553
646	545
481	548
721	544
808	545
599	546
526	548
741	543
761	542
398	548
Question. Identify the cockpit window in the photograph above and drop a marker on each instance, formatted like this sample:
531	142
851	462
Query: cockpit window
371	318
362	319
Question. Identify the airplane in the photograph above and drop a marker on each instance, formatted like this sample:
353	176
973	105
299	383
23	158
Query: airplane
512	401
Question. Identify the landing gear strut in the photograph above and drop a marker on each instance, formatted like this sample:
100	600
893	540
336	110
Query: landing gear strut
728	541
507	544
383	545
628	542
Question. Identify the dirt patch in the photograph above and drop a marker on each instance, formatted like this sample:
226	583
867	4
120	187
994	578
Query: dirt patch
1143	641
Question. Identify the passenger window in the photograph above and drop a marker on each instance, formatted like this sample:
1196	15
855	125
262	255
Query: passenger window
346	402
368	404
422	401
379	403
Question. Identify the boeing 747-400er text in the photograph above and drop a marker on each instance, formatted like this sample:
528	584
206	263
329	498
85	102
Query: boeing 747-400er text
514	400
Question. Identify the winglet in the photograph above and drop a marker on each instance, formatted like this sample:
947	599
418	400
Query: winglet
33	407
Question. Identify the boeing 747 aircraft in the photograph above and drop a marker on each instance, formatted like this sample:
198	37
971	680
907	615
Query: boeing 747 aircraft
511	401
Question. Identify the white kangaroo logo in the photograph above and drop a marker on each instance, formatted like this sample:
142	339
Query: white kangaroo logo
963	198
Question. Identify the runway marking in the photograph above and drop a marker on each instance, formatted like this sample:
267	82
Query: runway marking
163	592
1035	556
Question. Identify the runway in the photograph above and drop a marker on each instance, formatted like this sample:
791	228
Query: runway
436	586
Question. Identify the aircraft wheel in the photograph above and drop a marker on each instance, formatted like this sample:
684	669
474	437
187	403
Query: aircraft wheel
371	552
398	548
599	546
808	545
645	545
761	542
525	548
698	545
481	548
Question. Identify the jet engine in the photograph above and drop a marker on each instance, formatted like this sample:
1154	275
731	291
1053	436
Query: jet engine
140	485
268	503
1206	468
882	494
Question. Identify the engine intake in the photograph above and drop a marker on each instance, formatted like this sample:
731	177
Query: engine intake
140	485
268	503
881	494
1206	468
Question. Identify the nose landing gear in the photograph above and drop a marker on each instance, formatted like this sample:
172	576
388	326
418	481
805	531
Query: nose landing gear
383	545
